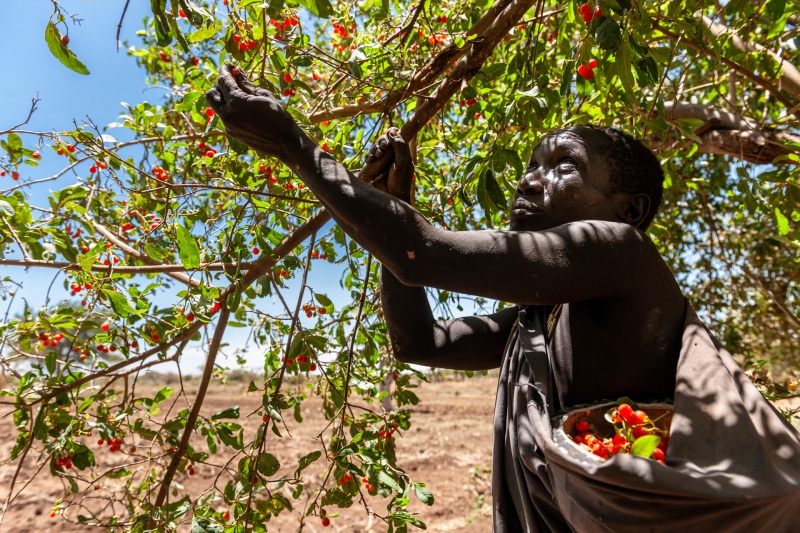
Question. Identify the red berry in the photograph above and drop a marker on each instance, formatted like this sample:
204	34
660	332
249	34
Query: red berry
105	326
587	17
209	112
312	367
226	515
256	251
585	72
65	40
584	9
658	454
100	442
582	425
598	13
35	155
625	411
181	14
237	38
243	46
251	44
287	78
15	175
215	308
234	72
53	514
592	63
325	521
190	317
195	61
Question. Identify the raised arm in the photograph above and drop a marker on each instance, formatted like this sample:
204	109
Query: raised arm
527	267
470	343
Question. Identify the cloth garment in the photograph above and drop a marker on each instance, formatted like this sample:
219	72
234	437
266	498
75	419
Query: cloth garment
733	462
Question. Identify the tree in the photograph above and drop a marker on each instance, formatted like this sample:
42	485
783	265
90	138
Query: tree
473	85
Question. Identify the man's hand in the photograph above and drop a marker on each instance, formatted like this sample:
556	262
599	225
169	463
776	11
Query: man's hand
389	166
253	115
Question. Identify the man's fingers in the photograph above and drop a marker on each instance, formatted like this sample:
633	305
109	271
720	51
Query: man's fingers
227	82
402	153
215	99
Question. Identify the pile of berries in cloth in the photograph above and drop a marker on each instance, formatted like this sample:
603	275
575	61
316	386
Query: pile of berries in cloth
635	432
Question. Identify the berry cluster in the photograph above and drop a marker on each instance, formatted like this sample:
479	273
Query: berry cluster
244	45
587	71
65	462
588	14
311	309
114	445
300	360
97	165
634	433
284	26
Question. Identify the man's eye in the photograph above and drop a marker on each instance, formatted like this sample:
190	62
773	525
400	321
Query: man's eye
569	163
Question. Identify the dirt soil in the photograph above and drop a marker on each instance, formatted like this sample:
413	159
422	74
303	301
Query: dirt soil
448	447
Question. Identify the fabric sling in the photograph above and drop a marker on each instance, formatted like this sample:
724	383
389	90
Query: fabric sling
733	462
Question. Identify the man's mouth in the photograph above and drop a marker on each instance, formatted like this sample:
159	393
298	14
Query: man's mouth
523	210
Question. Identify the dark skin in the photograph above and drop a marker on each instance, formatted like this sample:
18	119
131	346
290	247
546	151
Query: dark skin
571	241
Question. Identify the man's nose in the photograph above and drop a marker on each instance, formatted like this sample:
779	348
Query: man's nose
530	183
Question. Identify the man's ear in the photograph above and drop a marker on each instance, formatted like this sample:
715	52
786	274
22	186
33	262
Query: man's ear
633	208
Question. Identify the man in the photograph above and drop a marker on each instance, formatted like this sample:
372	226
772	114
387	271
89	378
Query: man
575	249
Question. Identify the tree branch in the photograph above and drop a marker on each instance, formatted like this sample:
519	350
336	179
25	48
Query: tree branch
213	350
733	65
790	76
431	71
726	133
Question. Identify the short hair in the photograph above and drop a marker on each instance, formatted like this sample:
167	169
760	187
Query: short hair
634	169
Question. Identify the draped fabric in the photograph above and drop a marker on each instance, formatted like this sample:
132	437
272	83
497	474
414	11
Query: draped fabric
733	462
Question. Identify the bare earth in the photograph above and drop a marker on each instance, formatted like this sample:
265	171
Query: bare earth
448	447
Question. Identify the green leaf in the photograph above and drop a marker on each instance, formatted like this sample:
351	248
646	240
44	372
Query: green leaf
268	465
355	69
231	412
306	461
53	38
423	494
775	8
608	35
783	222
187	248
323	300
156	252
275	7
6	208
320	8
119	303
644	446
50	362
495	191
388	481
204	525
159	9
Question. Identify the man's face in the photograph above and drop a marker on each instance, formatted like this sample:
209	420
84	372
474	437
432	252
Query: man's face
567	180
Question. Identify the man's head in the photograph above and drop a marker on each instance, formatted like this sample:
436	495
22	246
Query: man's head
588	172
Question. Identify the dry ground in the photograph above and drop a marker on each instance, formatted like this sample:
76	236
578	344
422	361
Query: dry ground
448	447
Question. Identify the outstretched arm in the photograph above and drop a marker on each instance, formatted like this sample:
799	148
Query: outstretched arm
527	267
